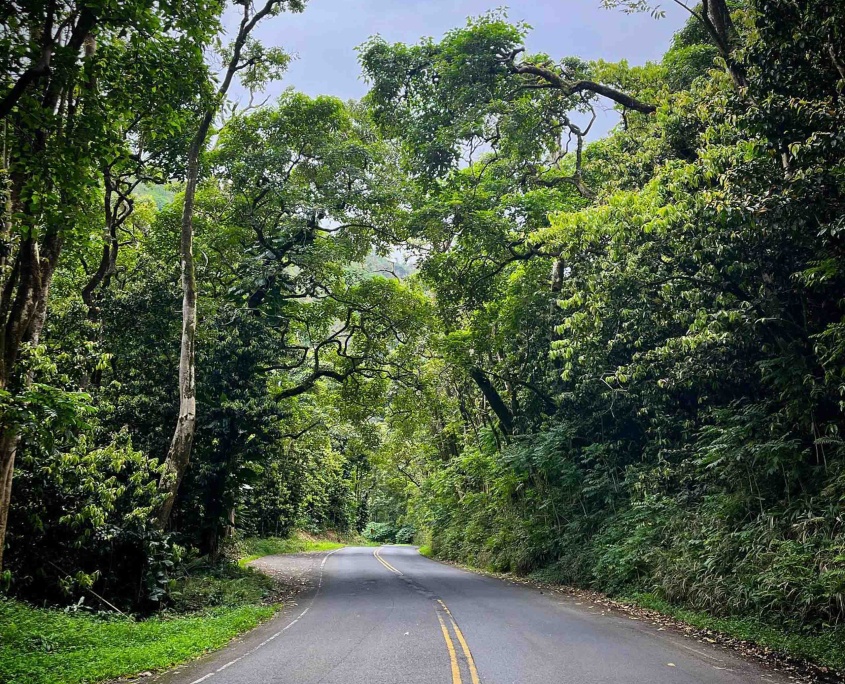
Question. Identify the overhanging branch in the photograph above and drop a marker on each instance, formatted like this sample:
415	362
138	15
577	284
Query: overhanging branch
548	78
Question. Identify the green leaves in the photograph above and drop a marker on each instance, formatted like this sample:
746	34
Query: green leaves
258	65
685	315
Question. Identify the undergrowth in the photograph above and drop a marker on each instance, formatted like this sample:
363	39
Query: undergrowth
205	608
225	585
45	646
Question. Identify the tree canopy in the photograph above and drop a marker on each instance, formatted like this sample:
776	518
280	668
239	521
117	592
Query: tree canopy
616	360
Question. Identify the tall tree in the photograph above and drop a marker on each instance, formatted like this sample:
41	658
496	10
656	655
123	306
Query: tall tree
59	121
256	65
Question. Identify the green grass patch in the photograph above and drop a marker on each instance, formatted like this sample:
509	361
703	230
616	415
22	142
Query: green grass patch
246	560
207	608
253	548
44	646
360	541
825	647
222	586
426	551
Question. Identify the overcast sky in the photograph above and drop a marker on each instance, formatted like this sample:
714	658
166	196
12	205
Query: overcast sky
324	37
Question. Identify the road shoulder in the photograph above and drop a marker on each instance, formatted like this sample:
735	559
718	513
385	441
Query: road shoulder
596	603
298	576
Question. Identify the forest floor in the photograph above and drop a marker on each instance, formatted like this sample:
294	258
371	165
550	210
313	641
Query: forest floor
807	657
208	608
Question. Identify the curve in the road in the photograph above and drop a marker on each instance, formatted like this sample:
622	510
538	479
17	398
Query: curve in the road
389	615
445	619
273	636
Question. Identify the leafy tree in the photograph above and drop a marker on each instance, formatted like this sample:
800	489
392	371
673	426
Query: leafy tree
256	65
693	428
66	122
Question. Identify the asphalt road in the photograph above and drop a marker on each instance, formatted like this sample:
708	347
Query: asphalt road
389	615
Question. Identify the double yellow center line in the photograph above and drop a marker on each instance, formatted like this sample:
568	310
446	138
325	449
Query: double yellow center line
450	646
447	637
384	562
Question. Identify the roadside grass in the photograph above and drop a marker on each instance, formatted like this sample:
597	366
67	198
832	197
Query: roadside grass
361	541
426	551
45	646
253	548
225	585
208	607
825	648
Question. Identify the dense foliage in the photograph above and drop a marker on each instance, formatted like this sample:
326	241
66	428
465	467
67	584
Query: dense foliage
295	333
636	382
620	362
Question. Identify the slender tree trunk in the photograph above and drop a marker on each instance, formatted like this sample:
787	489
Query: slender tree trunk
8	448
179	454
27	321
108	258
495	400
231	528
715	15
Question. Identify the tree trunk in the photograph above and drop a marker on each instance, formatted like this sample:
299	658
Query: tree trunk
557	277
24	325
108	258
8	448
716	17
494	399
231	527
179	453
27	261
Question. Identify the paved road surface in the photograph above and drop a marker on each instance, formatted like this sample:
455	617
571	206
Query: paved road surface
389	615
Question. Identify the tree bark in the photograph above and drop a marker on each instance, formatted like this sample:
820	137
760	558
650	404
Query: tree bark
557	276
179	453
114	215
26	321
715	15
8	449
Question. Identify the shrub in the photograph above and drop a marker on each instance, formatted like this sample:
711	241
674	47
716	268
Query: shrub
83	520
405	535
384	533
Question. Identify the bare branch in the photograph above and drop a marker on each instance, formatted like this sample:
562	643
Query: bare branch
551	79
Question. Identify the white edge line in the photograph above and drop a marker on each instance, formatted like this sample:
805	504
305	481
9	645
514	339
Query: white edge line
272	636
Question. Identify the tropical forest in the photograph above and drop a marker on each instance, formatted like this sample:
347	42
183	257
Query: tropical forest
444	315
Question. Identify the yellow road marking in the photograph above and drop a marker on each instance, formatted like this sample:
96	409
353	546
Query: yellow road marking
450	645
378	558
473	672
453	657
384	562
398	572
